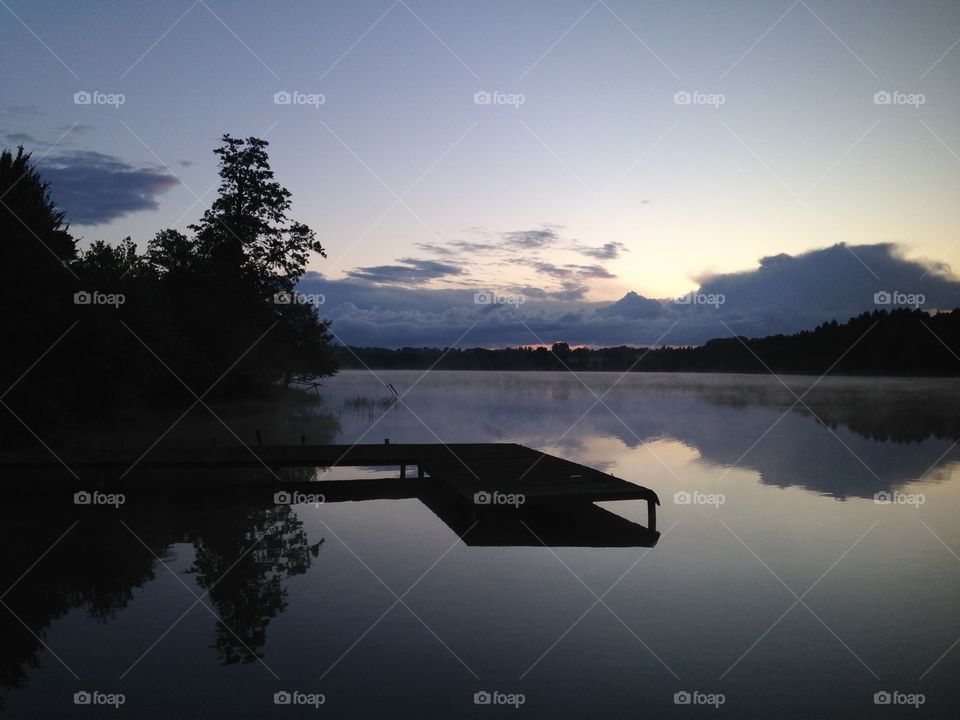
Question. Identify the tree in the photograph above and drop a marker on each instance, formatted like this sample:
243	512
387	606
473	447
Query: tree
202	305
248	220
28	212
36	287
222	281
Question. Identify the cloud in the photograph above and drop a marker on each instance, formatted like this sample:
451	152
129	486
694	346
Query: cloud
94	188
595	272
607	251
412	271
631	307
531	238
436	249
477	264
568	271
77	128
787	293
61	135
784	294
474	247
20	111
570	291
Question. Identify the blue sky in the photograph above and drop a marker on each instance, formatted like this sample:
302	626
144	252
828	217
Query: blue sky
587	177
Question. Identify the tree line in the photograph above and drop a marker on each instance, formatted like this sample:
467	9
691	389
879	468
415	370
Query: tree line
897	342
91	334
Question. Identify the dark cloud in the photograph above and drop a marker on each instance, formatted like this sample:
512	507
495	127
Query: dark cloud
607	251
412	271
569	291
20	138
569	271
94	188
595	272
468	246
531	238
788	293
632	306
784	294
546	268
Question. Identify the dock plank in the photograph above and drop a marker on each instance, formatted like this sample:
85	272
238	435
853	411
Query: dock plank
464	468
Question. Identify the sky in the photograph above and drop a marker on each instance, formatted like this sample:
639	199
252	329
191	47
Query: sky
572	161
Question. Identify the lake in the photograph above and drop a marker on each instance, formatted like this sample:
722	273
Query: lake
807	567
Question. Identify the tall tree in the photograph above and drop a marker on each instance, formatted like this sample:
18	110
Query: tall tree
36	284
248	220
247	249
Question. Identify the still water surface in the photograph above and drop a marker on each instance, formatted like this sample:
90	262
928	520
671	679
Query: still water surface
779	585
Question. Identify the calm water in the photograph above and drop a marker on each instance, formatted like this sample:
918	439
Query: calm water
781	588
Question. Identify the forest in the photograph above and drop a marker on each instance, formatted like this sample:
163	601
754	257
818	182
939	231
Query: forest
94	336
898	342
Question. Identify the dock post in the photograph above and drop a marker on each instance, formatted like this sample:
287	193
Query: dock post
419	472
651	514
259	439
403	472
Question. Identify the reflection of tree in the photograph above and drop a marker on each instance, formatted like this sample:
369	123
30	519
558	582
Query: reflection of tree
244	552
879	409
244	584
88	569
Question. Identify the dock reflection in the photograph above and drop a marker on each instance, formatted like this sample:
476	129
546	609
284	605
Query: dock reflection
244	546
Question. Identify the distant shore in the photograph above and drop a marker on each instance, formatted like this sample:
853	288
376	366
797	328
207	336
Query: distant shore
897	343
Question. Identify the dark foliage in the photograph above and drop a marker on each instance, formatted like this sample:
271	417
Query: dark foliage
901	342
192	316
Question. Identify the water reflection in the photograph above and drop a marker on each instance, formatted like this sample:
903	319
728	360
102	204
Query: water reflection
243	554
847	437
242	559
571	525
244	551
305	590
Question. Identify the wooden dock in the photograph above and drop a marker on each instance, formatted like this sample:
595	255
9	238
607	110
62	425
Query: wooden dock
485	477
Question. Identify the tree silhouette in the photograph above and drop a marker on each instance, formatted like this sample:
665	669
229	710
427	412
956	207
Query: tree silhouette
248	222
204	303
35	288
